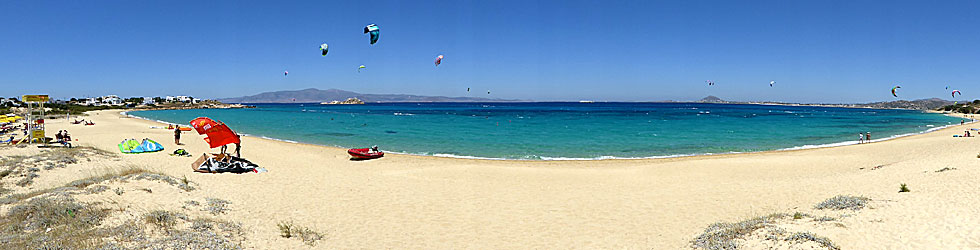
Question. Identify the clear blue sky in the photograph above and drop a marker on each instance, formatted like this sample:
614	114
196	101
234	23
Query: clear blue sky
817	51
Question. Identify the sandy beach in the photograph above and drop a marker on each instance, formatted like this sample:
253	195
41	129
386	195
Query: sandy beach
418	202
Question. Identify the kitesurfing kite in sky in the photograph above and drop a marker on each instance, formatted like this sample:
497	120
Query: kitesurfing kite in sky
771	83
894	90
955	92
360	67
285	73
710	82
374	31
439	60
323	49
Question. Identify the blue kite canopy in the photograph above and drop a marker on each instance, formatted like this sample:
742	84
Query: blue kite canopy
130	146
375	32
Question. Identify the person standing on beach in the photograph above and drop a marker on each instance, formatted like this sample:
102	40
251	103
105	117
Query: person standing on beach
860	138
177	135
867	137
238	146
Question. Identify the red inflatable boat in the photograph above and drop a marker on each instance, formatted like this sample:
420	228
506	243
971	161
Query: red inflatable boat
365	153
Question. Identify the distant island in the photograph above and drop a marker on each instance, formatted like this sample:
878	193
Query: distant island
352	100
712	99
313	95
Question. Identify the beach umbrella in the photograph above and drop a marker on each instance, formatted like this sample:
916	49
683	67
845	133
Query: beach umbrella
218	134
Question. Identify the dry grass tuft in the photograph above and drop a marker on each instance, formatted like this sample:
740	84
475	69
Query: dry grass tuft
807	236
162	219
841	202
723	235
47	223
28	167
216	206
289	230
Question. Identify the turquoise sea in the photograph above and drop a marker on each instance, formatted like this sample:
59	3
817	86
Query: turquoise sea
556	131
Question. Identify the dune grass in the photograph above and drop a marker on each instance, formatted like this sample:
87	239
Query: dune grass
52	223
726	236
216	206
842	202
52	219
723	236
807	236
289	230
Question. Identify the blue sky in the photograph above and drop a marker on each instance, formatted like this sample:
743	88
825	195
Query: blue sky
817	51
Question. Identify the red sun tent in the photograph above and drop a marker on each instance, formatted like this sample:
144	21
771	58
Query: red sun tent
218	134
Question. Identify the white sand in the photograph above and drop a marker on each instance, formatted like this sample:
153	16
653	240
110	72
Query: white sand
403	201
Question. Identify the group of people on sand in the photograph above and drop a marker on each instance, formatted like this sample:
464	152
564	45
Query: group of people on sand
63	137
83	121
864	137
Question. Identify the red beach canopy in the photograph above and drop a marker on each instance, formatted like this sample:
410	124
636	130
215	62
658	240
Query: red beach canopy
218	133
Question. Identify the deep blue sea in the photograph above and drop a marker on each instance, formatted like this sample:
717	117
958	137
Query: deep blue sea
555	131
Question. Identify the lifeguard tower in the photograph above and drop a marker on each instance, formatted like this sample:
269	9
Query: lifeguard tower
35	117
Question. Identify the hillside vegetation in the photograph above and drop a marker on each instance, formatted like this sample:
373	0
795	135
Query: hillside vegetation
965	107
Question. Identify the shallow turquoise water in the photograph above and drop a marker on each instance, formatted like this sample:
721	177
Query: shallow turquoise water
563	130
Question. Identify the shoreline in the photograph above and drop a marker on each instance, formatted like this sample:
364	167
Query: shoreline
125	113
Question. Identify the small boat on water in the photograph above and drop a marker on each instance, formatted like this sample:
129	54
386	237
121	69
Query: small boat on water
366	153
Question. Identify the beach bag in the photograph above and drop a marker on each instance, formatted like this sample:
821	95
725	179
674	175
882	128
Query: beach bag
181	152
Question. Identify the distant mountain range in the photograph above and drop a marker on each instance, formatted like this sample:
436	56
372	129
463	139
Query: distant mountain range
317	95
921	104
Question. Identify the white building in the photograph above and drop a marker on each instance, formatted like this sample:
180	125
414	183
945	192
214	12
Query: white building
7	102
110	100
182	98
88	102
